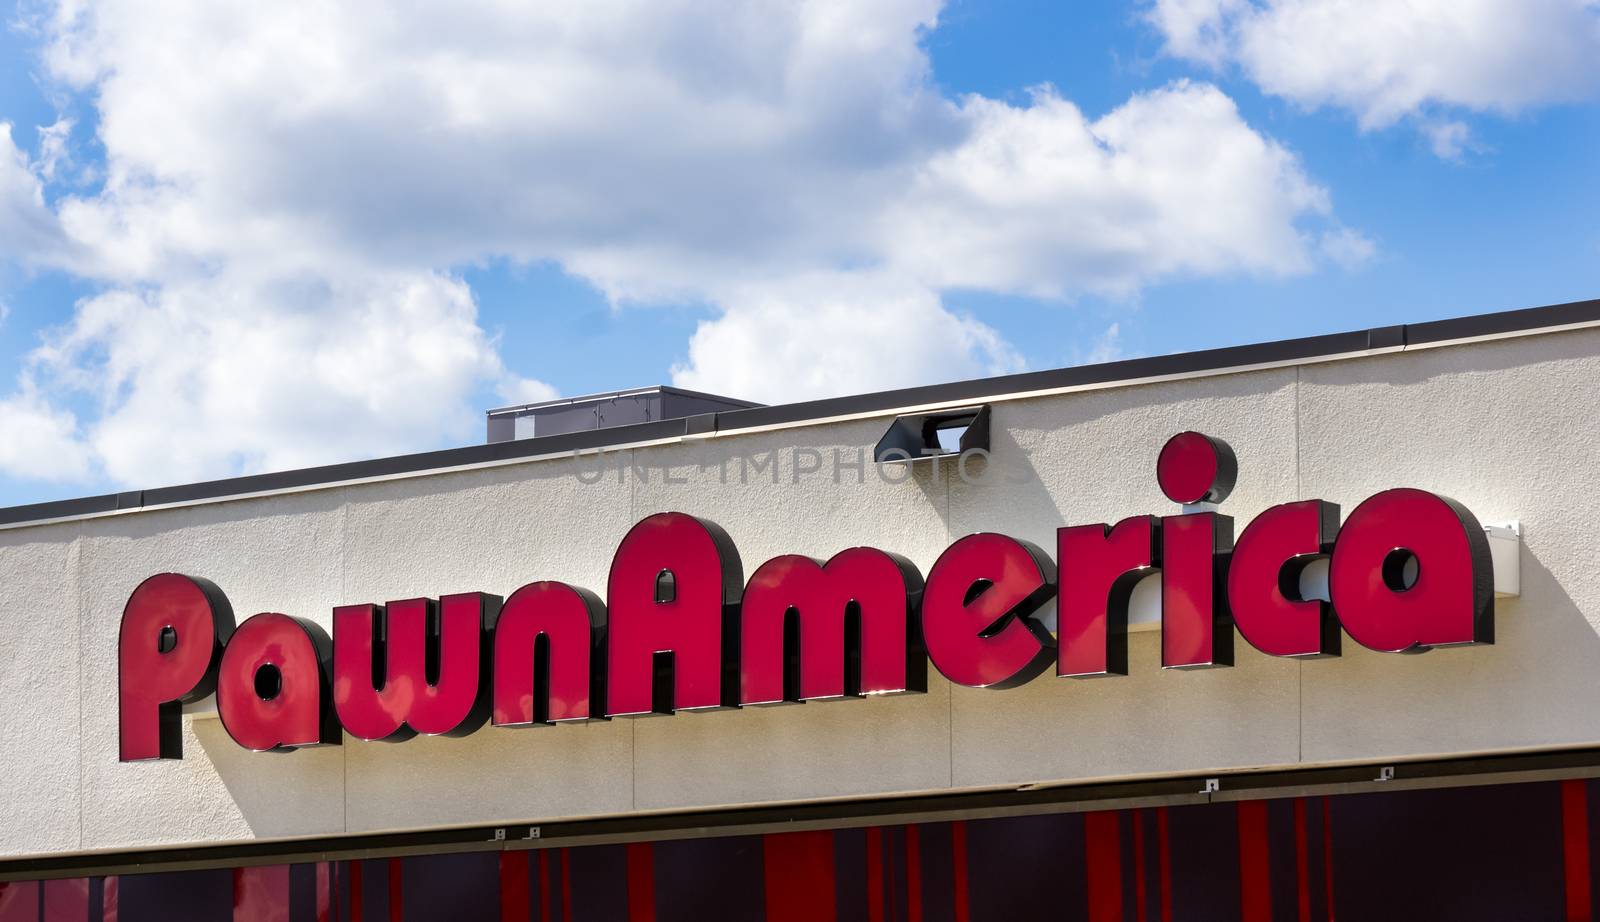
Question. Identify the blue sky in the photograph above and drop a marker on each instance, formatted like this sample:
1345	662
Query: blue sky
226	270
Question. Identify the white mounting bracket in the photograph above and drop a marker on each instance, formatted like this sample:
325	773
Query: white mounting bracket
205	708
1505	547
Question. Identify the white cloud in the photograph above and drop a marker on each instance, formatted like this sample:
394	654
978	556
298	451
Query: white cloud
1349	249
1107	347
1384	60
514	388
40	442
1449	138
197	378
647	145
288	186
28	230
1041	200
1196	29
54	157
838	333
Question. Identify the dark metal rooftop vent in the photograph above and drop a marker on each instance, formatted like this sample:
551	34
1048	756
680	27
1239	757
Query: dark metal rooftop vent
603	411
923	436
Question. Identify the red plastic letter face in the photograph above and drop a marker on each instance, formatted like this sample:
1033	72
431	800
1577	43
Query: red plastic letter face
272	686
1195	630
1412	569
670	582
1099	567
857	603
1196	468
977	611
383	687
544	644
173	628
1264	580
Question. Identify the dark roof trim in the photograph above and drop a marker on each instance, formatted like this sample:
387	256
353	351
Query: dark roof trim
1308	349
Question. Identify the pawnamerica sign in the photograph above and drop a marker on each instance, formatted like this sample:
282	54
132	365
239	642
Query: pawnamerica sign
681	628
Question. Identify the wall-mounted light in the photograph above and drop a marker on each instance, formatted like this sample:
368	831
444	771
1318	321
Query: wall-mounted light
944	433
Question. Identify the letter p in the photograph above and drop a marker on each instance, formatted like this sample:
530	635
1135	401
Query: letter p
168	650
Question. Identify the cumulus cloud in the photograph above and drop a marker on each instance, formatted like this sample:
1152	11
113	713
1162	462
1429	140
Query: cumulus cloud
203	376
29	232
1040	200
287	190
41	442
838	333
514	388
649	146
1197	29
54	157
1384	61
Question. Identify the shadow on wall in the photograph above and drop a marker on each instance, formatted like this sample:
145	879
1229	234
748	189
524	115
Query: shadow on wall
280	794
1551	655
162	522
1534	688
1519	355
1011	476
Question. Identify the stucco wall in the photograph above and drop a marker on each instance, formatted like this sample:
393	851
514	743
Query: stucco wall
1505	427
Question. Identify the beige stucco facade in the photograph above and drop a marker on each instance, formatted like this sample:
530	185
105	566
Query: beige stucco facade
1506	426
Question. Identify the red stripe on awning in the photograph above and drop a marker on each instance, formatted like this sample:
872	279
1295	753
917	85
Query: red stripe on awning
958	848
1302	861
1327	854
1103	853
108	901
798	867
260	894
396	907
513	887
913	875
355	890
1255	867
1165	842
67	899
641	882
1575	849
1141	910
566	887
874	874
324	891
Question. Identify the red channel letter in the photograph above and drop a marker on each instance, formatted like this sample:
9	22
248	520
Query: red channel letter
272	687
1264	580
1196	468
170	642
1195	629
383	687
977	611
546	641
854	607
671	583
1099	568
1452	600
